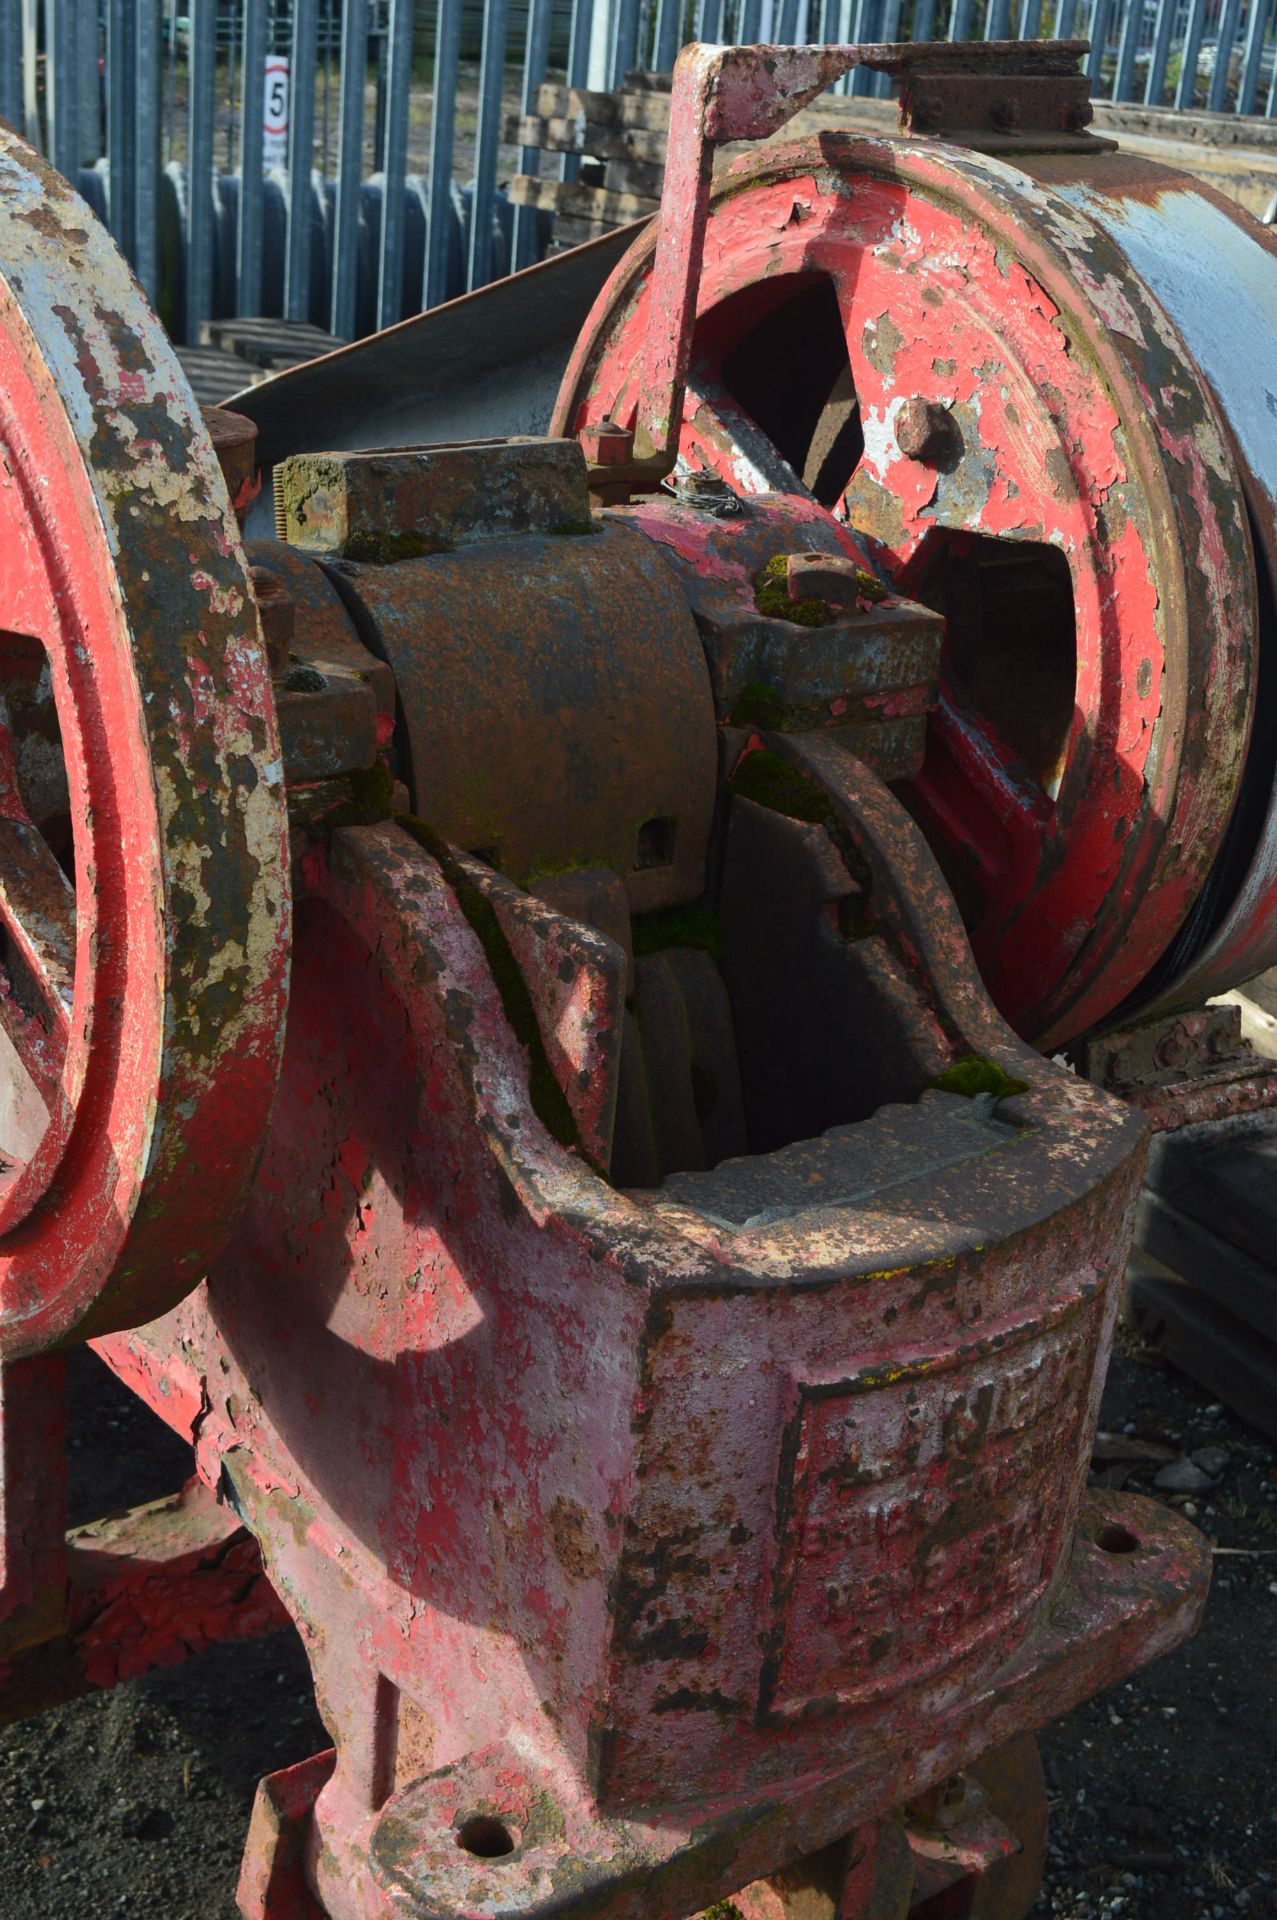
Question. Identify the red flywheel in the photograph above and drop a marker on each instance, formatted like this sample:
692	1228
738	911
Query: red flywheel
144	905
973	375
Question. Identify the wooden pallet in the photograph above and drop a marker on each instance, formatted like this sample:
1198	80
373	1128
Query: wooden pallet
622	109
268	342
621	138
214	375
577	201
583	136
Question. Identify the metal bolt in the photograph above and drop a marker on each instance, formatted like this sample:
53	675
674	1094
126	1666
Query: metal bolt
1177	1049
1005	114
707	491
1079	115
278	615
923	428
605	444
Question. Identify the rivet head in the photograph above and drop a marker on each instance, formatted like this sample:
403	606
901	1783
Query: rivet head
924	429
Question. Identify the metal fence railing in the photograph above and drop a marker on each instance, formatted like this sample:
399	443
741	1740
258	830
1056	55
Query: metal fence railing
383	197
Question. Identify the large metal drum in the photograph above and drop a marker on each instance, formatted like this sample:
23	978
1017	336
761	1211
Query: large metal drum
1014	376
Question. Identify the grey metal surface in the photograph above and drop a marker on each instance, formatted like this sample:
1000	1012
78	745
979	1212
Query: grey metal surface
488	363
1187	246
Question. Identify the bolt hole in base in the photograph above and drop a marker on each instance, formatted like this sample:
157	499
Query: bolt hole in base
486	1837
1115	1539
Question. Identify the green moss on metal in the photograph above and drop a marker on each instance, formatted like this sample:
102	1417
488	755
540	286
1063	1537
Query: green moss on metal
771	782
723	1910
758	705
678	927
868	588
373	789
575	529
771	596
549	1102
972	1075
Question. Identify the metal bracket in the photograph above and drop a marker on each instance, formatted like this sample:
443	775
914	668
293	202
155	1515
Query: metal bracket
724	94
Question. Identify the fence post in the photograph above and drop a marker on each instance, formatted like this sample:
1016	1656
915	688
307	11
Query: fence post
199	165
487	138
30	74
11	61
395	164
350	154
890	31
578	70
602	35
442	128
1256	29
669	34
1155	81
121	124
536	54
302	68
624	41
997	21
1186	91
148	55
865	30
1127	47
62	30
248	275
960	20
1101	14
1223	56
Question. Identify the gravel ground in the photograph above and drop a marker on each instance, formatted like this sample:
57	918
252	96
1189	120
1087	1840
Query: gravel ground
1162	1800
136	1803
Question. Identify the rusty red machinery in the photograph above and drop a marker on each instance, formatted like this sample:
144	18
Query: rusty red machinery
531	989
